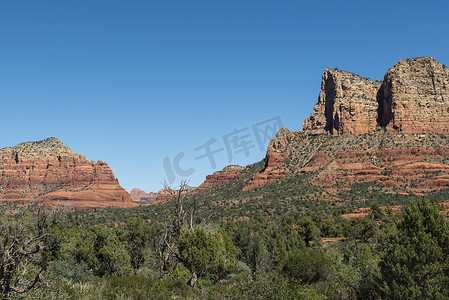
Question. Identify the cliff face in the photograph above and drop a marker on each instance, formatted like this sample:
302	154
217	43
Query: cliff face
347	104
413	98
48	170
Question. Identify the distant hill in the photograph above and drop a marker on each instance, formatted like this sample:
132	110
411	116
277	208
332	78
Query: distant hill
139	196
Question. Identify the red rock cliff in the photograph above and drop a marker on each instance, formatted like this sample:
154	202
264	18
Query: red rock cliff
276	154
413	98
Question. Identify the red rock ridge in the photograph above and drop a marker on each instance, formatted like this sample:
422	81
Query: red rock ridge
276	154
407	169
220	178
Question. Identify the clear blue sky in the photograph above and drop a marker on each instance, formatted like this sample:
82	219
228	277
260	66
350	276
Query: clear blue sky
133	82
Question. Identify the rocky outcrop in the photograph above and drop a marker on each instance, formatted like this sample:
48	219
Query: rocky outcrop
220	178
49	171
276	151
276	154
139	196
414	97
347	104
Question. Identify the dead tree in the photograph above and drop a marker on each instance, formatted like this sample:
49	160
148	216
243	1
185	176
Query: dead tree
23	243
183	218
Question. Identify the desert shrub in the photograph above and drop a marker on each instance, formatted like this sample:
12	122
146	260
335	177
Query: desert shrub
242	268
76	272
308	265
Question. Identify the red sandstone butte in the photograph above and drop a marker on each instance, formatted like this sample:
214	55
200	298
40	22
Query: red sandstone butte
49	171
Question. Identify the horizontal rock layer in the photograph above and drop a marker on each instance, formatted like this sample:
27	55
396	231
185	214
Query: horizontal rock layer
405	163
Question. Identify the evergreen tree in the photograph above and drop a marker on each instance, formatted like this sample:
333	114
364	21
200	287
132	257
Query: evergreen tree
208	255
414	261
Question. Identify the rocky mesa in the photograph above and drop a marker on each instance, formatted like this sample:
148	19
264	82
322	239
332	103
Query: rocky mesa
49	171
391	135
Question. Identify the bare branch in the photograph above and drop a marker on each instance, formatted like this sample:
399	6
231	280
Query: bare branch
23	242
